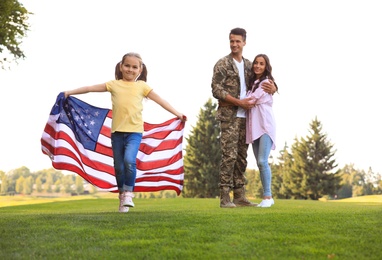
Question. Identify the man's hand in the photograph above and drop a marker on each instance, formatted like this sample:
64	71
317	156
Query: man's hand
270	87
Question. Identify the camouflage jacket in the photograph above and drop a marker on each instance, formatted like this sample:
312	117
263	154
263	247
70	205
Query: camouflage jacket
226	80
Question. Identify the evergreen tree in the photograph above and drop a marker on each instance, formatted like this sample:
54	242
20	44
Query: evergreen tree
253	186
313	167
203	154
277	179
296	177
283	171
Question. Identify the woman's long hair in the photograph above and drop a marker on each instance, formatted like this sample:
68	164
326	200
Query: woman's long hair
267	73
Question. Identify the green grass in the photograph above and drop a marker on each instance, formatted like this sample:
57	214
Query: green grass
91	228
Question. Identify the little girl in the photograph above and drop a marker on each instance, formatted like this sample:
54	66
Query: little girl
127	93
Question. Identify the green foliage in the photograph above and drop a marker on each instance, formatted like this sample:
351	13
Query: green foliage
53	183
38	184
191	229
356	182
57	186
67	182
28	185
4	185
14	175
20	184
203	154
14	26
79	184
49	183
310	170
253	187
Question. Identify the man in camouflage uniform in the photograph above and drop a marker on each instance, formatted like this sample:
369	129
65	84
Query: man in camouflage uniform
230	89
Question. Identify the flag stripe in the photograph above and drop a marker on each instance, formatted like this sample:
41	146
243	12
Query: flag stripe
77	138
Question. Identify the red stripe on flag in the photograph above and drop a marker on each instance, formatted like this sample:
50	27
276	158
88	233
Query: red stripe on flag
165	145
148	165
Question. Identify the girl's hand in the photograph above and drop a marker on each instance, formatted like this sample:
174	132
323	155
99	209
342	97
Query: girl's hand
182	118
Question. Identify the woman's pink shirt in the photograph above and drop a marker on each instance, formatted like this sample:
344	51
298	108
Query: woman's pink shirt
260	119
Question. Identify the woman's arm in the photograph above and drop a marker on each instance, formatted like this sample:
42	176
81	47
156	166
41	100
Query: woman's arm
86	89
163	103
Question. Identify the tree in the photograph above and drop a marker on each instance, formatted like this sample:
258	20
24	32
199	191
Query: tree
313	171
39	184
28	185
203	154
253	186
346	190
372	180
79	184
48	183
14	26
4	185
20	184
280	174
14	175
93	189
67	182
57	186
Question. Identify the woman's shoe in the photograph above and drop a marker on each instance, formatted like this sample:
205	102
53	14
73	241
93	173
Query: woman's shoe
266	203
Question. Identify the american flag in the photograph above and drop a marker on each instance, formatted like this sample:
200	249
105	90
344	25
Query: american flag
77	138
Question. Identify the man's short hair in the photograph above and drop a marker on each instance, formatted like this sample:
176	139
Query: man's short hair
239	31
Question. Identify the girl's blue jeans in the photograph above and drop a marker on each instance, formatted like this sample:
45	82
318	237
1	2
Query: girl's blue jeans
125	149
261	149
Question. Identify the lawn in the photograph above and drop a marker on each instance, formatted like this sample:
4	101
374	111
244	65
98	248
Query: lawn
90	227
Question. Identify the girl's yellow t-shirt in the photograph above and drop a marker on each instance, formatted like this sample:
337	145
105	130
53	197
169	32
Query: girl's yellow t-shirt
126	98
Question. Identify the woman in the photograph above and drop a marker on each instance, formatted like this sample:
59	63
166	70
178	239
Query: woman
260	124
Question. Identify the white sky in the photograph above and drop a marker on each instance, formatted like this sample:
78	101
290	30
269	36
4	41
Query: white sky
326	57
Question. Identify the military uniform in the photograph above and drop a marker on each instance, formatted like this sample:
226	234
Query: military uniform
226	80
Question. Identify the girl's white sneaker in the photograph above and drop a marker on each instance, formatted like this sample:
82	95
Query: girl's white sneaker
128	199
122	208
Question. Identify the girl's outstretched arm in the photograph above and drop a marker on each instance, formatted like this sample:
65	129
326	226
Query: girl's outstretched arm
86	89
163	103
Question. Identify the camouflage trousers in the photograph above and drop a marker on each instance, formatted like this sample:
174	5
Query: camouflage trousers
234	153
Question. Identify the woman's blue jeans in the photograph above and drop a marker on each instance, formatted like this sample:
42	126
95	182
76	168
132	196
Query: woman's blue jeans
261	149
125	149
